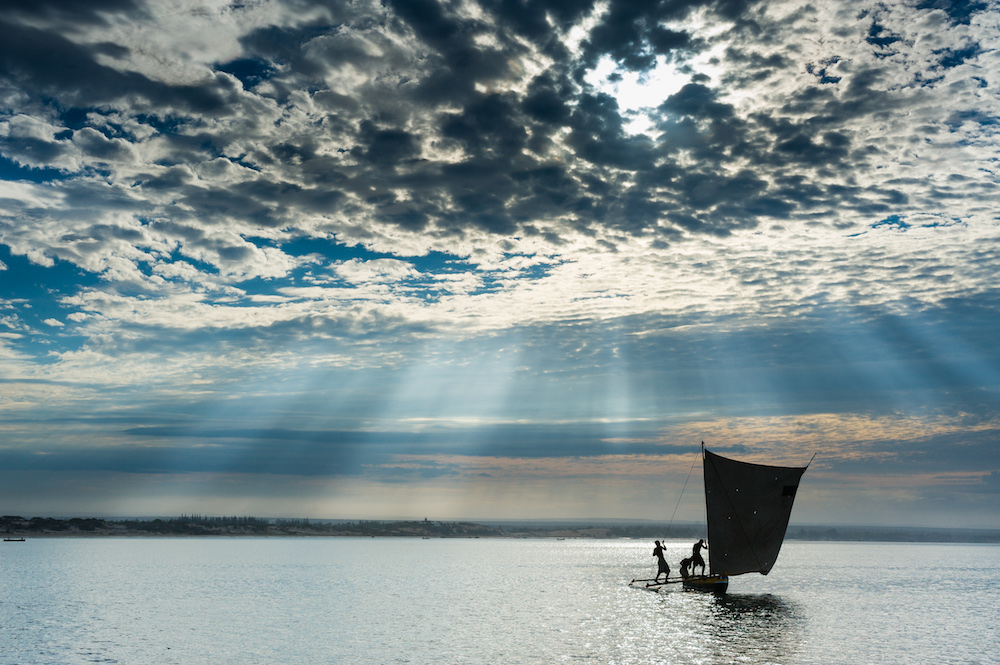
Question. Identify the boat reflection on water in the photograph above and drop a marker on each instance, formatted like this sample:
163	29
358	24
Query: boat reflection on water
759	628
688	627
763	606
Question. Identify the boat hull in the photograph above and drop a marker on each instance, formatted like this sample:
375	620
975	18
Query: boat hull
716	584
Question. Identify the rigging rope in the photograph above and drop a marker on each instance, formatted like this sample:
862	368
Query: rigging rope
669	524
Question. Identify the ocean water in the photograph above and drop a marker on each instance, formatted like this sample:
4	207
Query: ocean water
273	601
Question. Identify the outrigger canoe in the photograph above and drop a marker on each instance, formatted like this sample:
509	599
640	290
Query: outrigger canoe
748	506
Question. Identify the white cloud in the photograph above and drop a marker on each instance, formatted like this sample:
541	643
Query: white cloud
357	271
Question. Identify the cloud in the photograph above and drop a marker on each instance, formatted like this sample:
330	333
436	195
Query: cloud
501	209
375	271
390	151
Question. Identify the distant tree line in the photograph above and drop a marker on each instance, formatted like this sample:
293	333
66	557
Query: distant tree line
226	521
203	525
10	523
657	531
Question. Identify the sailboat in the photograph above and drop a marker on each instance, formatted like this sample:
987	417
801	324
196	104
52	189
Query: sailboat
747	507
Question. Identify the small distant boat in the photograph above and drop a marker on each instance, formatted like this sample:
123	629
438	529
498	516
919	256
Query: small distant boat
747	507
13	540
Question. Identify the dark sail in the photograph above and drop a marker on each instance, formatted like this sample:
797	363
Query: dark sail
748	508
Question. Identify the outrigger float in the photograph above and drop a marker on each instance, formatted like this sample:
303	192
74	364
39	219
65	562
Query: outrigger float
747	507
711	583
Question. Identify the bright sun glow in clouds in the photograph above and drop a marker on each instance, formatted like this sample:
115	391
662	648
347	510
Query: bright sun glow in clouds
637	93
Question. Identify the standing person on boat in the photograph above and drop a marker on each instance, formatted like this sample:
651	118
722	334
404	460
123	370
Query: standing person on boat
663	568
696	560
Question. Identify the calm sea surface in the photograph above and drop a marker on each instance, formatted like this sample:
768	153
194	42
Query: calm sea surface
340	600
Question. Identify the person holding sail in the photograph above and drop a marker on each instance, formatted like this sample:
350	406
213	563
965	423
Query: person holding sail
696	560
663	568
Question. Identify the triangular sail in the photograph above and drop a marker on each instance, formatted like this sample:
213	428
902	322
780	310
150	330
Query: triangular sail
748	509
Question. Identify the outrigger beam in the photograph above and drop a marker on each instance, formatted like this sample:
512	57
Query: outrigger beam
653	582
676	581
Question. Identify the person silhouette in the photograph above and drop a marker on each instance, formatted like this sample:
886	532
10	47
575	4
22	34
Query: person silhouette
663	568
685	564
696	560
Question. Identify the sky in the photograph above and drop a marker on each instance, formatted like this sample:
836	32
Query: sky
498	259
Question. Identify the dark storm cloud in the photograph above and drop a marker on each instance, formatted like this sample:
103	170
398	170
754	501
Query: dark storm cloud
546	101
487	126
70	12
46	63
556	150
273	457
496	131
934	453
261	202
959	11
440	83
531	18
598	136
871	363
459	62
35	151
519	441
632	35
99	147
319	453
848	361
385	148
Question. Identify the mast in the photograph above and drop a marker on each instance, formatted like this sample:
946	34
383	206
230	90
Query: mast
708	519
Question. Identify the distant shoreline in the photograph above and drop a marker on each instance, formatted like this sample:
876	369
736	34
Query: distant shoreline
12	526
